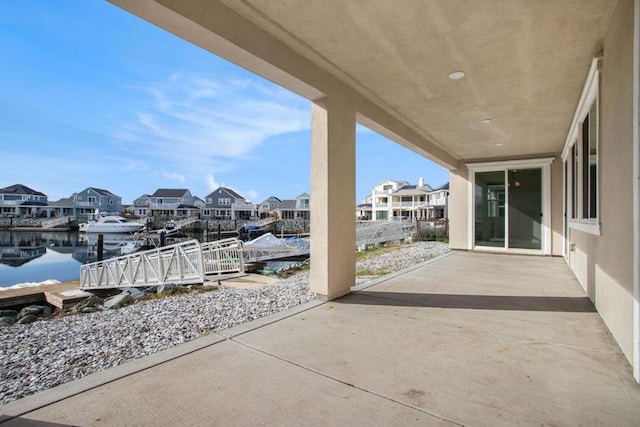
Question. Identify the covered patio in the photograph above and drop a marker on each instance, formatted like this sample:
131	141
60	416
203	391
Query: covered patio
466	339
531	105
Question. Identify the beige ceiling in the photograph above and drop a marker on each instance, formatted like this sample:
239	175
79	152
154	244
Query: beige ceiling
525	61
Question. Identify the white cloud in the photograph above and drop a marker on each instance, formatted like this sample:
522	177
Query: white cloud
211	182
251	196
200	124
173	176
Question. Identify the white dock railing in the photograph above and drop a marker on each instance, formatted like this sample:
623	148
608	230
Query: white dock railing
384	231
267	247
183	263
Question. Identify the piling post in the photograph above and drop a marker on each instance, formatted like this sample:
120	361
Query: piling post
162	238
219	232
100	247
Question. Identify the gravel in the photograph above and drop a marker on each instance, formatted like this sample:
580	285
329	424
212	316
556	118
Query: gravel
44	354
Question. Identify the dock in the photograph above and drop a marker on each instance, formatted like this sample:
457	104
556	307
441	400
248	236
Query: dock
60	295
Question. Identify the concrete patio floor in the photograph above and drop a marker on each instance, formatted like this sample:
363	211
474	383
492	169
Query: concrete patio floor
469	339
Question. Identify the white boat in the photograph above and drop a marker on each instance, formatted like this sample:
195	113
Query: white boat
110	224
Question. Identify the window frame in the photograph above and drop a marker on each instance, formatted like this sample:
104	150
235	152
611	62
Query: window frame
573	158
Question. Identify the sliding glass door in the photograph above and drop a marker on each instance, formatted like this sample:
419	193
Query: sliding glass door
525	208
490	212
508	208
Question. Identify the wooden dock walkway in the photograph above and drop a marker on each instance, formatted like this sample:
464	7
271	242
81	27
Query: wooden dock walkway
61	295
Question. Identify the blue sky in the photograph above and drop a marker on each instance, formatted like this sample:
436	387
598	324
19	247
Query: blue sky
94	96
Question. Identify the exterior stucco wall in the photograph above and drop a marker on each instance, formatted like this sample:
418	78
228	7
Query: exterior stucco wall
604	264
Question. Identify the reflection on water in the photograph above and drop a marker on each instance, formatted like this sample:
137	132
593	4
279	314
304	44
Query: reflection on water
38	256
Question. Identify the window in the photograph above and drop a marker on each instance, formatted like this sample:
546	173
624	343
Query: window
91	199
111	202
590	164
580	158
224	201
495	201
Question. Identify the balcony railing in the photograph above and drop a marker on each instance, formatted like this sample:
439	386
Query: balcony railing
163	205
243	207
86	204
406	204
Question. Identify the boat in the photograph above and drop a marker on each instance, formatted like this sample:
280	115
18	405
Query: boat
110	224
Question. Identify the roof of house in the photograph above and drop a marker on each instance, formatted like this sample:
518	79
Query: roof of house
20	189
386	181
365	205
442	187
287	205
272	198
169	192
65	202
101	191
226	190
411	190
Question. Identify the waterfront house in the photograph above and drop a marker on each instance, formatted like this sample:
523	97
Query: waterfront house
381	198
298	208
198	202
62	207
303	206
391	200
531	106
437	206
172	202
268	206
364	211
20	200
225	203
141	206
86	202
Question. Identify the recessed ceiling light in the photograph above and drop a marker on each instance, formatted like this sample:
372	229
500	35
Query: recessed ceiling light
456	75
499	144
486	121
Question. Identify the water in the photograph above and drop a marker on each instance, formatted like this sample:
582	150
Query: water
38	256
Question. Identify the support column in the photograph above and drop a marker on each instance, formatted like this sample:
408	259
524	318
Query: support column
333	165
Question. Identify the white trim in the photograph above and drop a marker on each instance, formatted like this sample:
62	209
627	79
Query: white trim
509	164
471	183
636	190
589	93
514	251
545	165
565	207
586	227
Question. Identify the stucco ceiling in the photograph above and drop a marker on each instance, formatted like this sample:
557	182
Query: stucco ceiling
525	61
